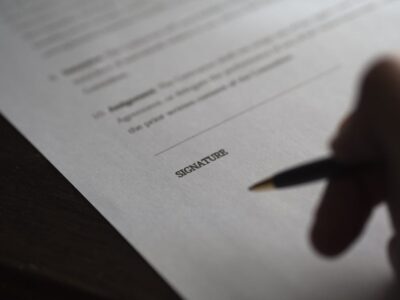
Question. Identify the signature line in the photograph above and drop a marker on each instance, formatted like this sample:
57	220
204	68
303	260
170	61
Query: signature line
283	93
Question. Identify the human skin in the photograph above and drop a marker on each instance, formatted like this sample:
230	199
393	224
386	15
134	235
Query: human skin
370	134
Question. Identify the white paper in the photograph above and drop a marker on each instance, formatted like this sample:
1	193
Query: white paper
121	96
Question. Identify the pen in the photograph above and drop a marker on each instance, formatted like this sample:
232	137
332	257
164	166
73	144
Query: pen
316	170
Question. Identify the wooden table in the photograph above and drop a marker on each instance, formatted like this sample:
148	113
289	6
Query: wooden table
53	243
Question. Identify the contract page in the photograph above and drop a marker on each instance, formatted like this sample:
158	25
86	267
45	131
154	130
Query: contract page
162	113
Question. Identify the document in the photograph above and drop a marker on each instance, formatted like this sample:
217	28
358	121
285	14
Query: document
163	113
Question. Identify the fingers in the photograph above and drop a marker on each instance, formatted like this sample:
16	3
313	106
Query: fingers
346	206
343	212
347	203
369	134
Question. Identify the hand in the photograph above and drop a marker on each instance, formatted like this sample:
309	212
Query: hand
370	134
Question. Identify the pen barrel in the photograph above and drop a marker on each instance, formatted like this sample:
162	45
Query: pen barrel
325	168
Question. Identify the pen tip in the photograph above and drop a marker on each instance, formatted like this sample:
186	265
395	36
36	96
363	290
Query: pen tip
263	186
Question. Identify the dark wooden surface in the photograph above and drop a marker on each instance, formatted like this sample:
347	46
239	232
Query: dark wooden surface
53	243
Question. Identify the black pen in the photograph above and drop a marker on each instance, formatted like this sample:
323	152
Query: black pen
316	170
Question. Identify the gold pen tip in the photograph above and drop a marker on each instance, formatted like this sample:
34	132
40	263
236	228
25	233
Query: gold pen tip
263	186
